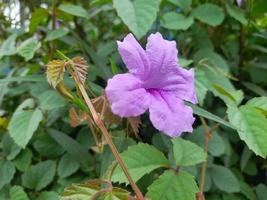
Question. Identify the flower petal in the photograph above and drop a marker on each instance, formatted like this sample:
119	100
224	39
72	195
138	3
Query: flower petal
126	95
169	114
133	55
161	53
181	83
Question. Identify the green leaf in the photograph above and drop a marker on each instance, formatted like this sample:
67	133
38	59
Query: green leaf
224	179
43	142
247	191
10	148
76	150
28	48
50	100
29	78
251	127
139	159
261	191
176	21
40	175
55	34
201	84
170	185
138	15
184	4
48	196
203	113
23	160
24	123
73	10
209	13
255	88
38	16
7	172
258	102
187	153
18	193
236	13
67	166
8	46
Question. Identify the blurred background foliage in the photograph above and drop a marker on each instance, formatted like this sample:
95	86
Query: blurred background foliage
41	154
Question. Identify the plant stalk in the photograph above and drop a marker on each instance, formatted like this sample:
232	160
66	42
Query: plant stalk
107	137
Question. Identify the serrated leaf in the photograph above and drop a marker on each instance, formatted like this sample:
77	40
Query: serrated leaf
55	34
138	15
67	166
8	46
55	71
24	123
28	48
251	127
23	160
236	13
176	21
40	175
209	13
170	185
139	159
80	67
89	189
18	193
50	100
135	123
224	179
259	103
7	172
187	153
73	10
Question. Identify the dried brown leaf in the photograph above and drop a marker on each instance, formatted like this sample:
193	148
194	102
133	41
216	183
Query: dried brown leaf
102	106
77	118
80	67
54	71
135	123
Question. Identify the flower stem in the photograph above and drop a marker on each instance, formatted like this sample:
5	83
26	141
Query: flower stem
207	136
107	137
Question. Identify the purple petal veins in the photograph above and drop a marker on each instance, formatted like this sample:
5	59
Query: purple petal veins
155	82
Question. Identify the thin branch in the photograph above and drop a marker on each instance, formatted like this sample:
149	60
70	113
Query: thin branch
107	137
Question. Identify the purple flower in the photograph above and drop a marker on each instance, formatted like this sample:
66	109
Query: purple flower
239	2
156	82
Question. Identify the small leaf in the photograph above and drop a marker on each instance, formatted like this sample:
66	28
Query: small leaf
55	34
170	185
135	123
184	4
48	196
139	159
187	153
209	13
77	119
224	179
38	16
73	10
8	46
201	112
55	71
7	172
67	166
28	48
24	123
251	127
23	160
176	21
236	13
80	67
138	15
40	175
18	193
